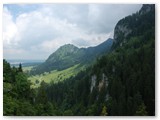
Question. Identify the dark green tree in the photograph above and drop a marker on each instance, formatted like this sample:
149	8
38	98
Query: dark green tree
20	68
141	110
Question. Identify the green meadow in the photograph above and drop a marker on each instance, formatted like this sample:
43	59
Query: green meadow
28	68
54	76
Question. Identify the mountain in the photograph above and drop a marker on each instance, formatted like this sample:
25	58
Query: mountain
120	83
137	24
69	55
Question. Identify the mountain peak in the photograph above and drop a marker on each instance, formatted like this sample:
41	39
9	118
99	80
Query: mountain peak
132	25
69	55
146	8
68	46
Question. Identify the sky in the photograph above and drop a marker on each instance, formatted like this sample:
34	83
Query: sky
34	31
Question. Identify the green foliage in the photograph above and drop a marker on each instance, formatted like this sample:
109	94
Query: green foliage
20	67
22	86
27	69
10	105
104	111
55	76
16	92
141	110
25	108
140	23
7	77
69	55
92	110
126	68
40	109
50	109
124	80
68	113
42	95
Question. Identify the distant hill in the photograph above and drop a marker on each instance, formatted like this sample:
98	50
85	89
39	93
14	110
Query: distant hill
69	55
25	63
120	83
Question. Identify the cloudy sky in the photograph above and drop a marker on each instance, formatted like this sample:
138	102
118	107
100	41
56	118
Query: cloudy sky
34	31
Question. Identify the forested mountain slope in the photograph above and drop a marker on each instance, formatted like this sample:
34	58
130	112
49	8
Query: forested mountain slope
121	82
139	24
68	55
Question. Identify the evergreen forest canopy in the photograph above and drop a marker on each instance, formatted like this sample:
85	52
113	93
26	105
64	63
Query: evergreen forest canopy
119	83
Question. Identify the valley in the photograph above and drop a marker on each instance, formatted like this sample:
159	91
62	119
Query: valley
55	76
114	78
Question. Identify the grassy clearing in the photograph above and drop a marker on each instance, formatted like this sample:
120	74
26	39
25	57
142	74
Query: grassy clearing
55	76
26	69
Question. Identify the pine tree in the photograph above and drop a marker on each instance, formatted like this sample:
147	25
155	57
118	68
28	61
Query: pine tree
42	95
20	68
141	110
104	111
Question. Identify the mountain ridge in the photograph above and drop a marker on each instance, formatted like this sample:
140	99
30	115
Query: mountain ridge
120	83
133	25
69	55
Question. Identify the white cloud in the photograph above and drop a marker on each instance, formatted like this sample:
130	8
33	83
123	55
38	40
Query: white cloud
38	33
9	29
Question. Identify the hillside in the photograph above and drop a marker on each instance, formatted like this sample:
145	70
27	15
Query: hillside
54	76
68	55
121	82
138	24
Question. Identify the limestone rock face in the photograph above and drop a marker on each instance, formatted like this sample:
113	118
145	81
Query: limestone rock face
130	25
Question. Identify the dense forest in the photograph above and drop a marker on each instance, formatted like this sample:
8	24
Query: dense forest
119	83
